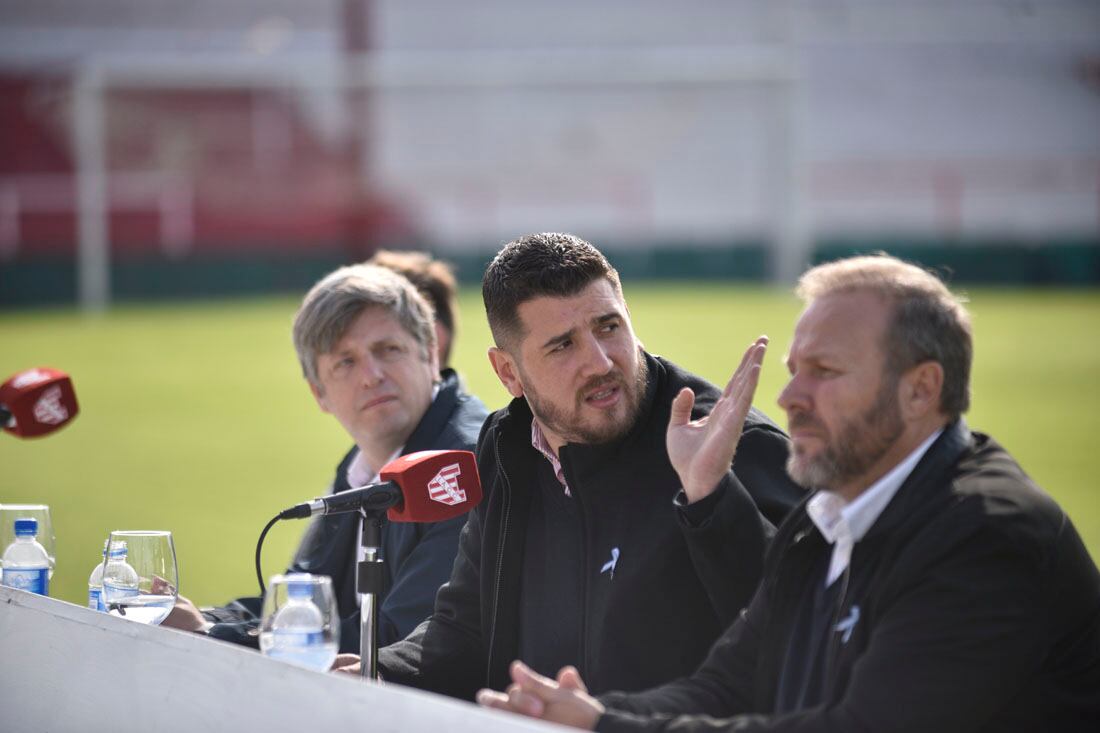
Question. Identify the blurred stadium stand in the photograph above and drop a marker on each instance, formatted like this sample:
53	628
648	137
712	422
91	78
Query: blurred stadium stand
152	148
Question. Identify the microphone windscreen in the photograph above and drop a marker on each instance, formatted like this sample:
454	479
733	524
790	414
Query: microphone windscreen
435	485
40	400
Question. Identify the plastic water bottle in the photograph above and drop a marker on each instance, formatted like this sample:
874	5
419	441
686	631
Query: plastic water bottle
26	563
95	584
297	631
120	580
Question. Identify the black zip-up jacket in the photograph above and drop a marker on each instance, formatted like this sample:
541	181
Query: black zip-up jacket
418	557
677	584
978	610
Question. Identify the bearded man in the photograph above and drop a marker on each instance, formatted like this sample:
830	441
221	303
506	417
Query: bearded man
627	503
927	585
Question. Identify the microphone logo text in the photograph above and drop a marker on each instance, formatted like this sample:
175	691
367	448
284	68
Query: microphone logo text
444	487
49	410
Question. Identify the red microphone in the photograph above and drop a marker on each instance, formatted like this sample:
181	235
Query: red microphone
426	486
435	485
37	402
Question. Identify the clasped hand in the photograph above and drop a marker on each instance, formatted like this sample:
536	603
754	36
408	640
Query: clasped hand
565	700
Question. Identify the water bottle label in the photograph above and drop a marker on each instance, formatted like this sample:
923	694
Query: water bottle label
32	580
117	593
95	599
298	638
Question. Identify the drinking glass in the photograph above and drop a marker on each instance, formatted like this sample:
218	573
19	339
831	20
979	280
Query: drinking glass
300	622
10	512
140	578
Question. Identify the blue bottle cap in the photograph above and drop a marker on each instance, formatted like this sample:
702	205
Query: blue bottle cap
28	526
299	585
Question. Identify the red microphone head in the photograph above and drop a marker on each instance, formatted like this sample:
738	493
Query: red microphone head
435	484
40	401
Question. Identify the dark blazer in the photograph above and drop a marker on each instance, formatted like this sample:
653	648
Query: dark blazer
978	610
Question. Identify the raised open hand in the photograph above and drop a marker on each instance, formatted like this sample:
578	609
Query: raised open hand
701	450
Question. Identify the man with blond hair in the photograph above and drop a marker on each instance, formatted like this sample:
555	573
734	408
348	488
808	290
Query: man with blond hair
927	585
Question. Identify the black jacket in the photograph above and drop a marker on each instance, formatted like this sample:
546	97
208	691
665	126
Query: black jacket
418	557
979	610
677	584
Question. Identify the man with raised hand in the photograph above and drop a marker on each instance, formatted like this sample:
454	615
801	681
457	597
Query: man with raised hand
927	585
614	534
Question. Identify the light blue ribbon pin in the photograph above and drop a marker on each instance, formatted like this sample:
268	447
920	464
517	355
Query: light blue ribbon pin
610	564
848	624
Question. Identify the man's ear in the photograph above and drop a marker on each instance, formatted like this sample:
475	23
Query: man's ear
919	390
319	395
434	363
507	371
443	344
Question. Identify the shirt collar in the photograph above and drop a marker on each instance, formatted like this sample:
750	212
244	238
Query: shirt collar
542	445
842	524
360	473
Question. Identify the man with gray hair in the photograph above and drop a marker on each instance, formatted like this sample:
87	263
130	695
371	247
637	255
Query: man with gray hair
927	585
366	341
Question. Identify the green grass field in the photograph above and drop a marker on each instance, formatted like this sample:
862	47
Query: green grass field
195	418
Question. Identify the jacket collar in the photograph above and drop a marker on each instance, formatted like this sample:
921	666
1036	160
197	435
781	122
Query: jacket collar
438	413
916	495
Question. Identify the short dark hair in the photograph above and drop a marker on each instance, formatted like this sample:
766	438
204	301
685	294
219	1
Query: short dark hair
434	279
557	265
928	322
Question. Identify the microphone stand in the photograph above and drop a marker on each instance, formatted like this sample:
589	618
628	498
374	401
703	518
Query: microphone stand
369	583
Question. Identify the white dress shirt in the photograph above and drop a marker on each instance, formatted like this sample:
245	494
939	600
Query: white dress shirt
843	524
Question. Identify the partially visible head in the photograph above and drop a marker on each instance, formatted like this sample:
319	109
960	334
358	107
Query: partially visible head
881	357
436	282
367	345
547	264
564	338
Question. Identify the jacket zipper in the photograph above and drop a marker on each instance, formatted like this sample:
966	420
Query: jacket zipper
780	593
589	670
499	580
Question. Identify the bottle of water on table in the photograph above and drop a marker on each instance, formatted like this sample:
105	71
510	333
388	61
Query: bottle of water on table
297	630
95	584
119	579
26	562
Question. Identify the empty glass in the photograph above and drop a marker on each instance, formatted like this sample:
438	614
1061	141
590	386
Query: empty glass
300	623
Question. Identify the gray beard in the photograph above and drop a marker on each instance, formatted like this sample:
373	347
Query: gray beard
860	443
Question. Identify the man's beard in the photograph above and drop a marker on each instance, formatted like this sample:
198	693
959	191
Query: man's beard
571	428
858	445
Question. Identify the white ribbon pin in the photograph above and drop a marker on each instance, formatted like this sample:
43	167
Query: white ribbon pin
610	564
848	624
